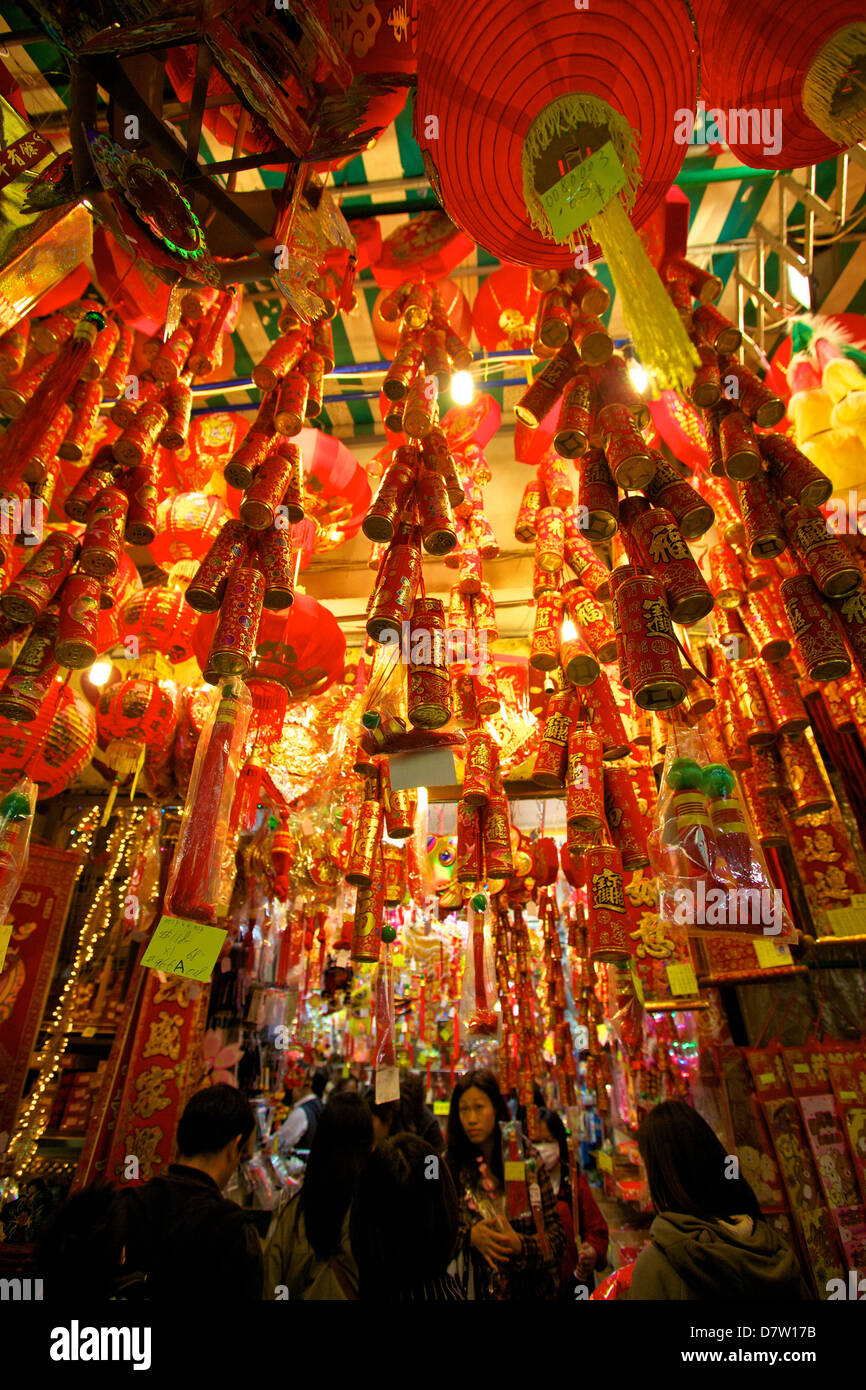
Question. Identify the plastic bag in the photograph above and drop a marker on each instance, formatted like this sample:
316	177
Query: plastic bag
712	873
194	878
479	1013
387	1076
17	809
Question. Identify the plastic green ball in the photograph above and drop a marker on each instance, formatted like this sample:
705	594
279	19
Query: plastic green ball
389	934
371	719
15	806
717	780
479	901
683	774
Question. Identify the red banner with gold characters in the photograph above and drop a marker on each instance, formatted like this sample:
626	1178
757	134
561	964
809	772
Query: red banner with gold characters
38	914
834	885
660	950
141	1102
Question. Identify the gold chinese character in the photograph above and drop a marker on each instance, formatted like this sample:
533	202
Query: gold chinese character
150	1089
666	543
651	939
657	618
143	1144
821	846
162	1039
607	891
642	892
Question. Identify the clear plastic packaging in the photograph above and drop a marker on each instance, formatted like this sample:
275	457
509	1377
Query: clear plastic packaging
479	1014
17	808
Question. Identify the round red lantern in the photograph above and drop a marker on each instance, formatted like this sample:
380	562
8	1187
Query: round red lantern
337	488
52	749
301	647
140	712
426	248
504	311
472	424
488	71
187	525
161	621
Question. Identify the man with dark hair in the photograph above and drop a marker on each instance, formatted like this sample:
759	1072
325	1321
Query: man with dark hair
181	1233
299	1130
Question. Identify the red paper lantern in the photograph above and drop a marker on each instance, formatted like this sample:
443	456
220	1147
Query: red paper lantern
302	647
338	491
140	297
472	424
187	524
53	749
486	71
504	311
426	248
161	621
136	711
755	56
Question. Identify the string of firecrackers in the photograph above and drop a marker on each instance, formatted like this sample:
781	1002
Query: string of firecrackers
34	1116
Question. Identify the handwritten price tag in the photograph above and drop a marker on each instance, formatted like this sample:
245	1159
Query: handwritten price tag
682	979
180	947
772	953
584	191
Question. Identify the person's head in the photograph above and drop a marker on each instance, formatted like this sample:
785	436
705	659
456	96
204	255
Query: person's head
477	1106
214	1131
80	1247
342	1143
686	1166
552	1141
412	1101
404	1217
386	1116
319	1081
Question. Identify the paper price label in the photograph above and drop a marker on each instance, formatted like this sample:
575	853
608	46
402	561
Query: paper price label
802	1067
514	1171
772	953
847	921
5	938
440	1107
682	979
583	191
180	947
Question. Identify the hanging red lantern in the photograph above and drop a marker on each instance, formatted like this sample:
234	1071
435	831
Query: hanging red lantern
337	488
301	647
426	248
137	711
791	64
161	621
504	311
187	524
53	749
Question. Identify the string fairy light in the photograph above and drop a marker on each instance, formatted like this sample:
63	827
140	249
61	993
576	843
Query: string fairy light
34	1117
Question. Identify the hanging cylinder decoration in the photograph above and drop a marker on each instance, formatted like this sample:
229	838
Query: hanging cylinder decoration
396	584
607	917
816	629
370	911
428	677
551	760
597	494
823	556
654	668
584	785
544	652
627	827
656	542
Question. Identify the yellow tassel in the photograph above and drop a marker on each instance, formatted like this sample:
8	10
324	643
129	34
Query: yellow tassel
553	123
834	88
658	333
124	756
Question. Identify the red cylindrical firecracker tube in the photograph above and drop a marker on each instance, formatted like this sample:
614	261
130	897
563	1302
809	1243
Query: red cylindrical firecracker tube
584	787
551	760
544	653
470	860
626	452
803	776
139	484
268	487
35	586
234	643
392	496
654	668
428	678
660	546
607	917
275	560
106	523
228	550
366	843
31	678
667	489
727	580
823	556
628	828
606	718
747	695
764	625
139	439
394	592
765	534
526	524
479	763
792	473
592	621
597	495
816	629
76	643
619	576
370	912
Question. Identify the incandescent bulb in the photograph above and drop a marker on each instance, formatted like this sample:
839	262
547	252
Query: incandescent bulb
638	374
462	388
99	672
569	631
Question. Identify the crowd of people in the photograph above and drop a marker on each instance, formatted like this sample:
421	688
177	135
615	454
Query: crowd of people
391	1209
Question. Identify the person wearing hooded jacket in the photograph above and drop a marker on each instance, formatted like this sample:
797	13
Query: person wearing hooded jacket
709	1238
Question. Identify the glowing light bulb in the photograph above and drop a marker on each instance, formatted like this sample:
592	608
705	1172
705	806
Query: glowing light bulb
99	672
569	631
462	388
638	374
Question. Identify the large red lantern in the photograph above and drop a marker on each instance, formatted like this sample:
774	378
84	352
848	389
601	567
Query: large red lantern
187	524
301	647
337	489
137	711
54	748
764	65
491	71
426	248
161	621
